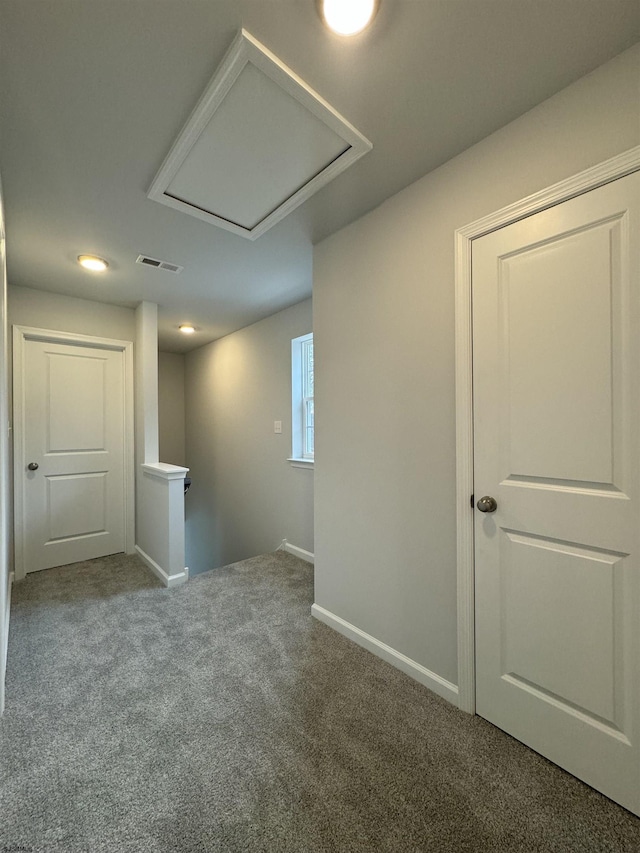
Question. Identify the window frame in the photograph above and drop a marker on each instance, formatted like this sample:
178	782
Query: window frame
301	456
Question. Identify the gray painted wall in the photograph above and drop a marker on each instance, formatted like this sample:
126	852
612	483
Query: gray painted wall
43	310
245	496
5	466
385	552
171	419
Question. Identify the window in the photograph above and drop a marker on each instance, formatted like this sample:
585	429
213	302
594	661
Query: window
302	411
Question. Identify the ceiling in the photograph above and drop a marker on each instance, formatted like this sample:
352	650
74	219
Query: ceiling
93	94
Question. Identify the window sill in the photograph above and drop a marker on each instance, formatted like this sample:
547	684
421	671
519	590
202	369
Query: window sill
300	463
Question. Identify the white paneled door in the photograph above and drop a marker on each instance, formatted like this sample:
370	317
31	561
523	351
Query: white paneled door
556	361
70	453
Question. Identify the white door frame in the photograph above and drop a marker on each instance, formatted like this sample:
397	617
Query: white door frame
616	167
22	334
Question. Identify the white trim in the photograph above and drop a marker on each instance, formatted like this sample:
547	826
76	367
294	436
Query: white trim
164	470
5	641
34	334
617	167
464	478
22	334
425	676
300	463
168	580
610	170
307	556
298	458
245	49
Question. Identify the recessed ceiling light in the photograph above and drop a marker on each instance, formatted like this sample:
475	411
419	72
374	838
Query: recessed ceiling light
93	263
186	329
348	17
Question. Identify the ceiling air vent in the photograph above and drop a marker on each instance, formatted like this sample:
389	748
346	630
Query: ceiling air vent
158	265
258	144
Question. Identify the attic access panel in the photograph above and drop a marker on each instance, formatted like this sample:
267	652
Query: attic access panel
259	143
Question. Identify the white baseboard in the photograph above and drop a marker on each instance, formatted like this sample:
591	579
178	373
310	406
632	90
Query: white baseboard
430	679
4	650
167	580
307	556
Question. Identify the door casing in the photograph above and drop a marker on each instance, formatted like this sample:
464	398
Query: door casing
21	335
610	170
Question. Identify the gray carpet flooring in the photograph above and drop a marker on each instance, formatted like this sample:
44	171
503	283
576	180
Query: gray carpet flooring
220	716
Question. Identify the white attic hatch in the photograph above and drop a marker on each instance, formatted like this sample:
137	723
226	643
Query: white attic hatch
259	143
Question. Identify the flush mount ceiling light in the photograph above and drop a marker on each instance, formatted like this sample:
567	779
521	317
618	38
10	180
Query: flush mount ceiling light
348	17
187	329
93	263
